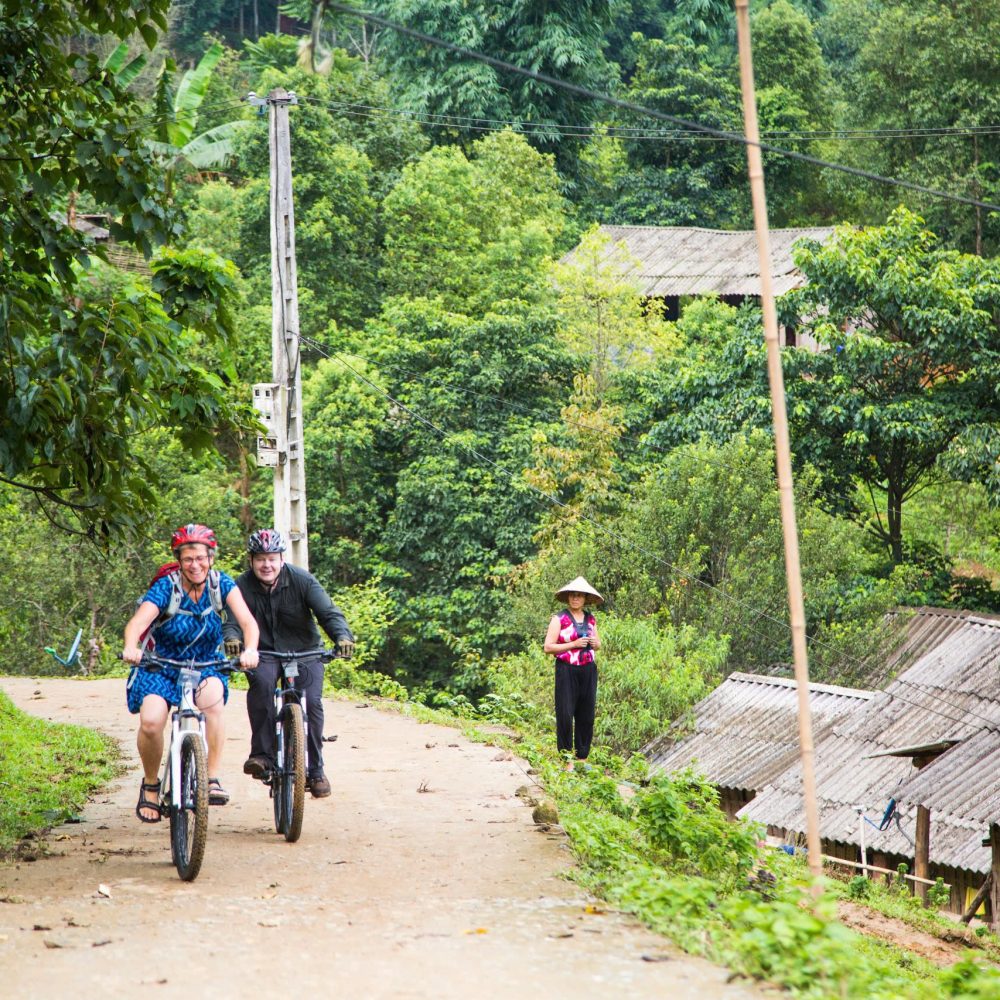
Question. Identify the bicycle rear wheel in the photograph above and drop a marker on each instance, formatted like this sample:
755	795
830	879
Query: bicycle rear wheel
290	795
189	820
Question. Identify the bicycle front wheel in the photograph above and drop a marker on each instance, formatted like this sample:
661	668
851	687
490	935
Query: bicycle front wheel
290	800
189	815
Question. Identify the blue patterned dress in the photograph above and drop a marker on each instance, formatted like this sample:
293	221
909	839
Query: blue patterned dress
194	633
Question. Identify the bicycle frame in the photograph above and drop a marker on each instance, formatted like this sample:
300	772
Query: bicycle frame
186	717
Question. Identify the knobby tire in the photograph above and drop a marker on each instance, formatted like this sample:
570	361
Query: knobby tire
293	777
189	823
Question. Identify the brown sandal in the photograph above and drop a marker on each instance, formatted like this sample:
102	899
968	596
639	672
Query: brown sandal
145	803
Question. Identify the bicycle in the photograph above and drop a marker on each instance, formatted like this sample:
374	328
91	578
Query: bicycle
287	780
184	771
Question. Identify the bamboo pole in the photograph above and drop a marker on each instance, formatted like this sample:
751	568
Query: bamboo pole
919	880
781	443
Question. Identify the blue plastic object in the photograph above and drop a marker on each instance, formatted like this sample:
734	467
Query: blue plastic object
73	656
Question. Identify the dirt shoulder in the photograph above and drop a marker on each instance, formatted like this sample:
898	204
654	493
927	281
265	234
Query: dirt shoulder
391	891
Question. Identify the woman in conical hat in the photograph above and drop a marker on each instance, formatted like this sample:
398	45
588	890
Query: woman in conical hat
572	638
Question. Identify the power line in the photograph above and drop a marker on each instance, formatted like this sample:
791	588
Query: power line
627	133
594	95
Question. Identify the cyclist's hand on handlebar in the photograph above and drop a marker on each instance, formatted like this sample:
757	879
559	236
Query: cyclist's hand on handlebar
248	659
132	654
345	647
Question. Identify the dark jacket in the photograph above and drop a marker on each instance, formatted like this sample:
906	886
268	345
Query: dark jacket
285	614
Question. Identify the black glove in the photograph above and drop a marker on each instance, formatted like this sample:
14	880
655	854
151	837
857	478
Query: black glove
345	647
233	647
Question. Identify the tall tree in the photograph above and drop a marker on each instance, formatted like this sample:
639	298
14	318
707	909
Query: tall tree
85	367
563	38
927	66
904	391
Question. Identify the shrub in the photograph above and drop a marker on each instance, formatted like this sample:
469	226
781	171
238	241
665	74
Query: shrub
679	816
648	675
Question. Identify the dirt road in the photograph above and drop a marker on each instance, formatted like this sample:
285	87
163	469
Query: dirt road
391	892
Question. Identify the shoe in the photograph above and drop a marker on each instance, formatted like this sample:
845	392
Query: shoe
319	786
147	804
257	766
217	795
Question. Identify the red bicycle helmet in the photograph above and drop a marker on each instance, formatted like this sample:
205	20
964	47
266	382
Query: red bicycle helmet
193	534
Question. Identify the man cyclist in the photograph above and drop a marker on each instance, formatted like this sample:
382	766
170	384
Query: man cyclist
286	602
192	632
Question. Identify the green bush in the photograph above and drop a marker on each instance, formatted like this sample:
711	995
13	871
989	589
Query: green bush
648	675
971	979
370	612
679	816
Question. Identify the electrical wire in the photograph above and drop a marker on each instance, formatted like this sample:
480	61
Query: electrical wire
627	133
594	95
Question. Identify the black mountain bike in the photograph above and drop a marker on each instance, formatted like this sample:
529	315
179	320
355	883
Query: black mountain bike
291	748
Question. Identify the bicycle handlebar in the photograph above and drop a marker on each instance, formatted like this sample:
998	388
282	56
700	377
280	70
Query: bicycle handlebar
154	663
326	655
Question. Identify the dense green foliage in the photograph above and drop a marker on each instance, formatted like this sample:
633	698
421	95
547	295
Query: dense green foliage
484	421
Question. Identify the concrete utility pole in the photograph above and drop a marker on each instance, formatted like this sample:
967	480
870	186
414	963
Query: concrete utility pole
781	443
280	401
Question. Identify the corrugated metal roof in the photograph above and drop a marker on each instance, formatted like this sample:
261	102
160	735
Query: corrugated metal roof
951	691
746	731
963	781
680	260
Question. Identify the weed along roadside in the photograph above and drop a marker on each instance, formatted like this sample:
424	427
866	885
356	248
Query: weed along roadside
47	773
659	849
423	864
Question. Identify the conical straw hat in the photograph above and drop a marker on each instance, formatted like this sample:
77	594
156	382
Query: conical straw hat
579	586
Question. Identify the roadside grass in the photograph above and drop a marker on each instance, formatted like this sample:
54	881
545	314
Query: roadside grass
895	901
47	771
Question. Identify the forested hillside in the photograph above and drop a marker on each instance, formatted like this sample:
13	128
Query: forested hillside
484	422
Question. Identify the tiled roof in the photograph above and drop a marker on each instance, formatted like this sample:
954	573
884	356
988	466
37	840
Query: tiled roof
680	260
745	733
951	691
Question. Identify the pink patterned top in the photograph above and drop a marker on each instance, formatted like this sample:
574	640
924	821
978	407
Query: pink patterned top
568	632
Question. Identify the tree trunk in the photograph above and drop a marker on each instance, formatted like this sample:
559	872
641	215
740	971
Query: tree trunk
246	515
894	519
975	194
241	31
256	20
93	646
319	6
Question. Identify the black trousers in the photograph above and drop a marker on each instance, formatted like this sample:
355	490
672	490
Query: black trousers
260	708
576	702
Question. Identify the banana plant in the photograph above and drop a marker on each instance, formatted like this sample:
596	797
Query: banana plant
175	138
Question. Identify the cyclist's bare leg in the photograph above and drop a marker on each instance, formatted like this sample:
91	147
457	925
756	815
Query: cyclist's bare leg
149	741
211	700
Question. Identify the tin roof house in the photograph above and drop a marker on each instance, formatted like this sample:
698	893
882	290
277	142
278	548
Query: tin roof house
746	733
673	262
928	746
929	742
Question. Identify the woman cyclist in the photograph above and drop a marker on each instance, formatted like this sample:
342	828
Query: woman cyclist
188	629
